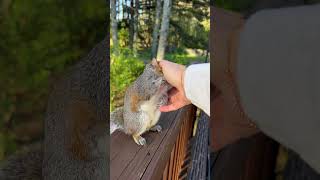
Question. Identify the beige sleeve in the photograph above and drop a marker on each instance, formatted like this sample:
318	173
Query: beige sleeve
278	73
197	85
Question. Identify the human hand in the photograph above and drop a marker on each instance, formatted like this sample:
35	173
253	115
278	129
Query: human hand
174	74
229	121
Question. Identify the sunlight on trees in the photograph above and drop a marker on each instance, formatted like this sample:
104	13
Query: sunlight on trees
149	27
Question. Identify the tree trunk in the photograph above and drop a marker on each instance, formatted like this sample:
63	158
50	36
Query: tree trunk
156	27
135	27
127	11
114	25
164	29
122	8
131	25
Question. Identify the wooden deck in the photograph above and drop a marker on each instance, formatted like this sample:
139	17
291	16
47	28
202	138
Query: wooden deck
160	158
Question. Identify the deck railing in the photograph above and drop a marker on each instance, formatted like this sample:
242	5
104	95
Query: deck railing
163	157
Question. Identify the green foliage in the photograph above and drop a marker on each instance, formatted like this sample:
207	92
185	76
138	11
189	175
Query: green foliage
124	69
123	35
190	25
7	144
40	39
184	58
178	55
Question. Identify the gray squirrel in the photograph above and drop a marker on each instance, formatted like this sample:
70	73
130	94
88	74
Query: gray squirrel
142	100
75	141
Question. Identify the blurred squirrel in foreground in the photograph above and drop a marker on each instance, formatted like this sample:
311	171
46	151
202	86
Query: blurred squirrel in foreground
75	143
142	100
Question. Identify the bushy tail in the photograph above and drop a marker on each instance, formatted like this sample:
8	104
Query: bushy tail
24	166
116	120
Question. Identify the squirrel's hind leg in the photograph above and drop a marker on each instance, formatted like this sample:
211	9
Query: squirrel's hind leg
143	127
139	139
153	125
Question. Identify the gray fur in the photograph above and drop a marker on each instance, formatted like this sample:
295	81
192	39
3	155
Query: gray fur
150	83
87	82
25	166
116	120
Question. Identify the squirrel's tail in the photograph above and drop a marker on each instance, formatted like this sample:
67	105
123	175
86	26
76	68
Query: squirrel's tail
23	166
116	120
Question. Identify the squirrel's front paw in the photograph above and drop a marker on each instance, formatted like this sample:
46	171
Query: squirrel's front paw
140	140
163	100
156	128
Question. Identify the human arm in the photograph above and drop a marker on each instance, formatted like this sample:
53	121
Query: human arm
191	85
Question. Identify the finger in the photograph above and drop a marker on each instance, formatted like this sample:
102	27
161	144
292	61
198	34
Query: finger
173	91
174	99
162	63
167	108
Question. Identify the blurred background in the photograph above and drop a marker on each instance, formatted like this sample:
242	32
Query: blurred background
38	41
247	7
135	33
288	164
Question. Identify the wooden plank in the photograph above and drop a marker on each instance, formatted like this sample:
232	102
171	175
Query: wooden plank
125	154
165	173
137	168
171	162
179	150
122	151
176	155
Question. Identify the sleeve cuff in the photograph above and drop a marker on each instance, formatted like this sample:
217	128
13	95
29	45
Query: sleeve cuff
197	85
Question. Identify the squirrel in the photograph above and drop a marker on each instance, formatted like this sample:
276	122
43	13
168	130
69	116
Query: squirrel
75	140
142	100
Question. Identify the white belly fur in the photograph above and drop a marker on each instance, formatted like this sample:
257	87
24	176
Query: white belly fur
150	107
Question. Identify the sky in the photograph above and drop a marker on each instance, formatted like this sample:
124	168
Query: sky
120	8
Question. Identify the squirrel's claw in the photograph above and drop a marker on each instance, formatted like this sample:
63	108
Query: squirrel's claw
156	128
140	140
